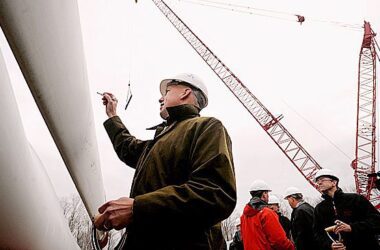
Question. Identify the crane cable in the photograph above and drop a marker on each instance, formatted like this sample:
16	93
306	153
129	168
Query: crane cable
243	9
131	31
377	45
256	11
318	131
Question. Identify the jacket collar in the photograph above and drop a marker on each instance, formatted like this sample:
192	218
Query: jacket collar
254	206
181	112
338	193
178	113
257	203
299	204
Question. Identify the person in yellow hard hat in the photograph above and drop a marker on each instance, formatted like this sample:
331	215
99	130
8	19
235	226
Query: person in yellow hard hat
184	182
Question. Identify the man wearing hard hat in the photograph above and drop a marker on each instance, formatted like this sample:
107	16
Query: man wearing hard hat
354	218
184	182
301	220
274	204
260	227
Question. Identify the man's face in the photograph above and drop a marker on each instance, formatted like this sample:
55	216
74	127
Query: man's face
325	184
274	207
265	196
292	202
171	98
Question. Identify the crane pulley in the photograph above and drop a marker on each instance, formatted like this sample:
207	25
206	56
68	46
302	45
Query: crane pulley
129	96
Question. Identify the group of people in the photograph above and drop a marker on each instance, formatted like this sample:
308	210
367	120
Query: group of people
340	221
184	186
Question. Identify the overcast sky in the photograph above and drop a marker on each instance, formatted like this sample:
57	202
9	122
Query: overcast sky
308	73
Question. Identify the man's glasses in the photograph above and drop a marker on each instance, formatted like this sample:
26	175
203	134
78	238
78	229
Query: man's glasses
324	179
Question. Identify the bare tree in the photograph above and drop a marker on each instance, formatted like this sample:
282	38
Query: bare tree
229	226
81	225
78	220
313	201
285	209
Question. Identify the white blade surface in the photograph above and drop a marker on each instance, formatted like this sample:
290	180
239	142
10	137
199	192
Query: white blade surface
45	37
31	217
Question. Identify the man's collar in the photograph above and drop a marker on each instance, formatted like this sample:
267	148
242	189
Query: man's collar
300	203
181	112
178	113
337	193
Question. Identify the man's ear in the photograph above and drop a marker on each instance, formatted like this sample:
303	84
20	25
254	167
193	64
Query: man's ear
186	93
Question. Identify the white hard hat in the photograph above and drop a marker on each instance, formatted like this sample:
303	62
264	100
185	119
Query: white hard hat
326	172
273	200
259	185
190	79
291	190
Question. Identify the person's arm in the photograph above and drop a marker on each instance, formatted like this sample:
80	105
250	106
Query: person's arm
274	232
285	223
371	222
302	221
209	195
320	235
126	146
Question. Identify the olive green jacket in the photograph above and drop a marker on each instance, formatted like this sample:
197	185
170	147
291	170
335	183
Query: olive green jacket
184	183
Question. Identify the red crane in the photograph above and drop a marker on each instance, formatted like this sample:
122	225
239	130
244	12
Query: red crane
293	150
365	151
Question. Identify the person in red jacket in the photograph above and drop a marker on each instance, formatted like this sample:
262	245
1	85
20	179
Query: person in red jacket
260	226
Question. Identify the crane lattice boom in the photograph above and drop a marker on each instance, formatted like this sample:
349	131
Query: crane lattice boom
365	150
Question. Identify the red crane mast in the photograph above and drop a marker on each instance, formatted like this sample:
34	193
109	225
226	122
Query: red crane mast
365	150
293	150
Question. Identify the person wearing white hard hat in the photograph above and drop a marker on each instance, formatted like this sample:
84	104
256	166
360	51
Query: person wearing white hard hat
301	220
260	226
274	204
184	183
351	214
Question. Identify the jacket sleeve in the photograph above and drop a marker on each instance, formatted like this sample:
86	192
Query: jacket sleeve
274	232
285	223
209	194
302	221
371	222
126	146
320	235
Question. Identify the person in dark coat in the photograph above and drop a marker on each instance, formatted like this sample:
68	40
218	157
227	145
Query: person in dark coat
184	183
354	217
274	204
301	220
237	240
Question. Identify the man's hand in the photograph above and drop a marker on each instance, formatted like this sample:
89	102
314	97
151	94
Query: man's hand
115	214
338	246
342	227
110	101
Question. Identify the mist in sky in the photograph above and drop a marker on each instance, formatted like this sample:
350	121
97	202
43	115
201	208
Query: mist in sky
308	73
